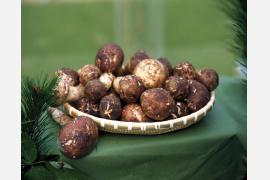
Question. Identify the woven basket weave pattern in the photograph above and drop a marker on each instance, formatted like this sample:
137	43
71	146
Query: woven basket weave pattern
152	128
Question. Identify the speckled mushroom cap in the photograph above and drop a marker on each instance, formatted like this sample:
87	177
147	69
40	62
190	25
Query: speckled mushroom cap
88	73
177	86
109	58
186	70
134	113
198	96
209	78
87	106
69	76
110	107
180	110
151	72
95	90
78	137
157	103
136	59
130	88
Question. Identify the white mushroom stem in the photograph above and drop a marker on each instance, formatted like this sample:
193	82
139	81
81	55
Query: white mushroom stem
107	79
59	116
75	93
116	83
66	93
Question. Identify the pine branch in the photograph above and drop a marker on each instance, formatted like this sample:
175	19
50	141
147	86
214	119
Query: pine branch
36	96
237	12
40	145
45	135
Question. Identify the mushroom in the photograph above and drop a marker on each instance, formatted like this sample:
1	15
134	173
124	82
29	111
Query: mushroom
209	78
65	93
87	106
69	76
186	70
130	88
109	58
180	109
107	79
177	87
166	63
198	96
88	73
78	137
67	85
157	103
136	59
116	84
133	113
151	72
58	116
95	90
110	107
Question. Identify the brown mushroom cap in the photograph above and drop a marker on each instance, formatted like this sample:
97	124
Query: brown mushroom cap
130	88
134	113
209	78
78	137
88	73
69	76
151	72
87	106
157	103
177	87
95	90
166	63
180	109
136	59
110	107
109	58
198	96
186	70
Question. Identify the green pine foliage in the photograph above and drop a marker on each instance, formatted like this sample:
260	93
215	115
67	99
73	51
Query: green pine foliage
39	137
36	96
45	135
237	11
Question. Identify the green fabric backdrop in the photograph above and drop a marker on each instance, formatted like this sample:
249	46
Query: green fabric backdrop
215	148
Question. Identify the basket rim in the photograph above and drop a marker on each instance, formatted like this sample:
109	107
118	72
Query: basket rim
101	121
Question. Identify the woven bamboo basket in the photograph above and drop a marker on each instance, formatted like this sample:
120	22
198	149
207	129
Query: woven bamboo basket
149	128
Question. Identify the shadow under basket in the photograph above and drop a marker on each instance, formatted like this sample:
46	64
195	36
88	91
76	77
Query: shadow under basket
148	128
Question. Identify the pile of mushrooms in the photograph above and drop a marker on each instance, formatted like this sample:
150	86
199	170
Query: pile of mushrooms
143	90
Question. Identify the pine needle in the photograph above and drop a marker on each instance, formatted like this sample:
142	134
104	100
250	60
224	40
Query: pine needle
37	95
237	12
45	135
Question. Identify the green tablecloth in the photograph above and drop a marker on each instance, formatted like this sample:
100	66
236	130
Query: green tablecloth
215	148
